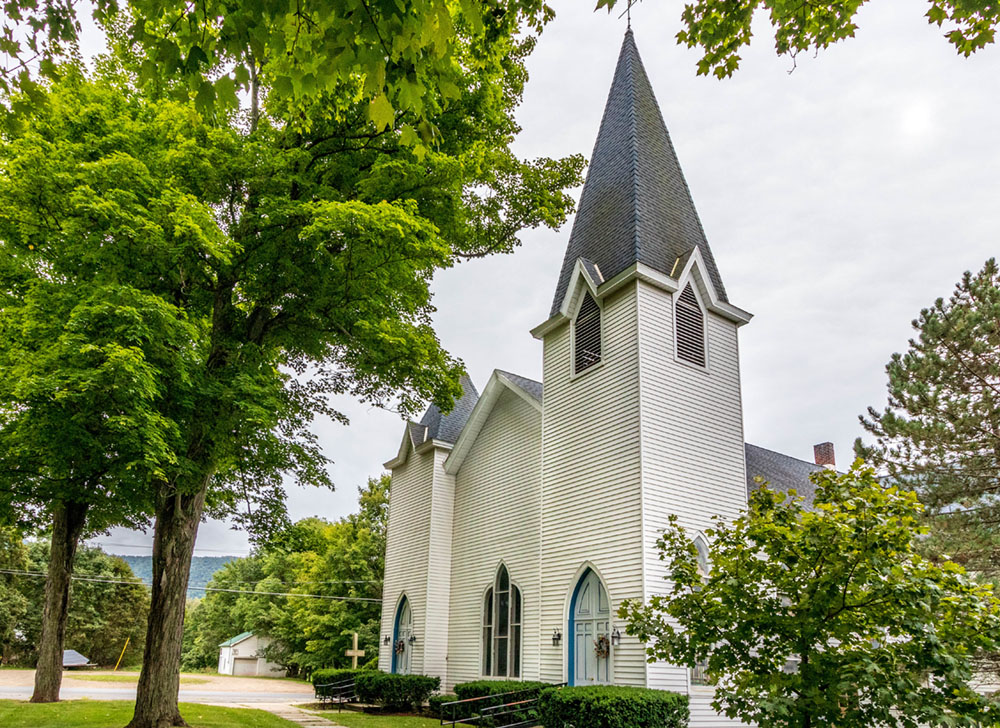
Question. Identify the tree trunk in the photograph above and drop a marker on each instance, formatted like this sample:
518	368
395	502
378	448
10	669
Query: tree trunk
177	519
67	524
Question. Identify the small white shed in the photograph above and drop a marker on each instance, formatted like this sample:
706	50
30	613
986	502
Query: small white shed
242	656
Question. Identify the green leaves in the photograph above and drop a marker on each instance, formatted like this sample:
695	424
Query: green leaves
721	28
342	559
824	615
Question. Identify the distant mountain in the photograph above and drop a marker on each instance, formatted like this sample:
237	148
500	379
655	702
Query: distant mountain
202	569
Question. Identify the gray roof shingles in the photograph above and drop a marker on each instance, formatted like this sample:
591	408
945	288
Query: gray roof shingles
635	205
528	385
447	427
780	471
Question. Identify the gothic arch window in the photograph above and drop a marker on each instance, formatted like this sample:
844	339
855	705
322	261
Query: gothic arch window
699	675
701	546
502	627
587	334
689	323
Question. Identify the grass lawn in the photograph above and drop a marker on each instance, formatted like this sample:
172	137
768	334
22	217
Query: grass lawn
127	678
116	713
355	719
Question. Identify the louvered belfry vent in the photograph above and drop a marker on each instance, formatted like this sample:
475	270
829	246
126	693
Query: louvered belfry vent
690	327
587	335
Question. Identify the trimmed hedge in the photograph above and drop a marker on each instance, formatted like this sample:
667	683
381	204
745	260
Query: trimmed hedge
481	688
395	692
331	675
612	706
436	701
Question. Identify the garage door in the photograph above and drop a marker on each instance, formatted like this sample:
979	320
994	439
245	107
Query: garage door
245	666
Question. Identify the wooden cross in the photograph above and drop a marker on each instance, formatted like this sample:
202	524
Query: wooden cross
355	653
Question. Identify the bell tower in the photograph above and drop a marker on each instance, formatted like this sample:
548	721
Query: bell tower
642	413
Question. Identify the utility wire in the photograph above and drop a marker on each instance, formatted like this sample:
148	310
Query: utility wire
94	578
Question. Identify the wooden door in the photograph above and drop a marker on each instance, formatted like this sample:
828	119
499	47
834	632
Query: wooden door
590	622
402	647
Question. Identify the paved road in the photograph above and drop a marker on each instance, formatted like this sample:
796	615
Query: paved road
211	697
211	689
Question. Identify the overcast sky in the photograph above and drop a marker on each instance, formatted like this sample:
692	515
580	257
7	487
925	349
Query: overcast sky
838	199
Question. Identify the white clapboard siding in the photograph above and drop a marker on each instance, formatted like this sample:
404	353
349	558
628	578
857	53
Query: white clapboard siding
406	551
591	502
692	452
497	513
439	556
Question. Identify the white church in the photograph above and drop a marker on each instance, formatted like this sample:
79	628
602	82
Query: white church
521	520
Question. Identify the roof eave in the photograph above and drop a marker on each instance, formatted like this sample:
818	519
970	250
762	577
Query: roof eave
643	272
480	413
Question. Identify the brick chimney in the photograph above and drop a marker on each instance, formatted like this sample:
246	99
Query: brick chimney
823	454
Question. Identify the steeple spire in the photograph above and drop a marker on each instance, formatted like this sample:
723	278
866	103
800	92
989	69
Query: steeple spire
635	206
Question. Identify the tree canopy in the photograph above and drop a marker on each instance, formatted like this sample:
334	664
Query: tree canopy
336	567
940	433
824	614
721	29
108	607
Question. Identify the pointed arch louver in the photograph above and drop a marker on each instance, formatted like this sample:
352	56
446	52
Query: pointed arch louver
690	325
587	335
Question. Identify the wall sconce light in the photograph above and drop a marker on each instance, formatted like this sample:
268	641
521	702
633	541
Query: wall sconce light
556	637
413	639
616	637
386	640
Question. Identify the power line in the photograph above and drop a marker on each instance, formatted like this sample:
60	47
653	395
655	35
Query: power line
98	579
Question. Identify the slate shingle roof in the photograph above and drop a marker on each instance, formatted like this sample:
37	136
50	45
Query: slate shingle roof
528	385
448	427
780	471
635	205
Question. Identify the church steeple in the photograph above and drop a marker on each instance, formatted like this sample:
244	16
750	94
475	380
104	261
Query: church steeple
635	206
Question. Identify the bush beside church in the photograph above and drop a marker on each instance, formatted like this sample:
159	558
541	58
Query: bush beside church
612	706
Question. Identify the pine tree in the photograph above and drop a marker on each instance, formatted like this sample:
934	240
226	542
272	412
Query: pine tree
940	434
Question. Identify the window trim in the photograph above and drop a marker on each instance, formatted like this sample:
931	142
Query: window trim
491	592
674	299
573	373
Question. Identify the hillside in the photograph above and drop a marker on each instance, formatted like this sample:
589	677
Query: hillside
202	569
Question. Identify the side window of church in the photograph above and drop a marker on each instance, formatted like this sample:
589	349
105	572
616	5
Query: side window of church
502	628
690	325
587	335
699	675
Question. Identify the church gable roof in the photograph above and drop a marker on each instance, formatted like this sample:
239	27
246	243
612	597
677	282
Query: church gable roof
447	427
781	472
527	389
635	206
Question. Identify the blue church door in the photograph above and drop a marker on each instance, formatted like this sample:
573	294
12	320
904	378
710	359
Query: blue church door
401	647
590	633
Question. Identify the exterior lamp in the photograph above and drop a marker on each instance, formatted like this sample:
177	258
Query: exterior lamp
556	637
385	640
616	637
413	639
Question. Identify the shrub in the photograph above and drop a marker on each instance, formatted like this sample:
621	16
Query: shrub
331	675
395	692
436	701
481	688
611	706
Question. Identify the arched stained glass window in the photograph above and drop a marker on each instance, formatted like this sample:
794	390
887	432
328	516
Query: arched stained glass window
502	627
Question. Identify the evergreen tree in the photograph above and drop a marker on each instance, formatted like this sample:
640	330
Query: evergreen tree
940	434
